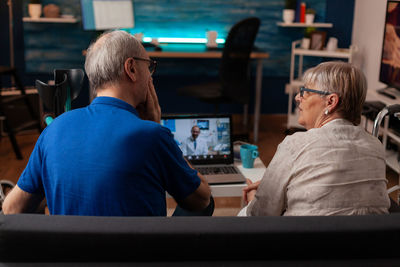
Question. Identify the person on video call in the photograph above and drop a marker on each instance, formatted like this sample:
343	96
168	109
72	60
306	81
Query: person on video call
193	145
112	158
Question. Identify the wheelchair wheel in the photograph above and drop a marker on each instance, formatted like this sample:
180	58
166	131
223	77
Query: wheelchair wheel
5	187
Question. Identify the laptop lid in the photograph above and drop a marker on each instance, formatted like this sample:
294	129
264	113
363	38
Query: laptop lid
203	139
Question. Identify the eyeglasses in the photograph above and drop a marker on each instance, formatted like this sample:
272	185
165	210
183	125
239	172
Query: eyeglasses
152	64
303	89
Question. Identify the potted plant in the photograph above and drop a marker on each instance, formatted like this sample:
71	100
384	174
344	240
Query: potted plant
35	9
289	11
305	42
310	15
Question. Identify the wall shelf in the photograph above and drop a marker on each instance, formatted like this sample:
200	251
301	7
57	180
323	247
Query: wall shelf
339	53
304	25
50	20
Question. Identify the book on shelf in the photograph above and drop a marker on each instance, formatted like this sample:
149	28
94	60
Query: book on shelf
297	14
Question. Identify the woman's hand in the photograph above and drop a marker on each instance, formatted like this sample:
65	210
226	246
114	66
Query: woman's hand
150	110
250	190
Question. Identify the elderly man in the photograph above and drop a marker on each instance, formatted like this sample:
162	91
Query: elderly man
112	158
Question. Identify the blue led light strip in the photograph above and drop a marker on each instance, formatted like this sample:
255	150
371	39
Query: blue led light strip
182	40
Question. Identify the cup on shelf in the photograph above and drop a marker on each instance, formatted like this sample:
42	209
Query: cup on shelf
310	18
288	15
305	43
332	44
35	10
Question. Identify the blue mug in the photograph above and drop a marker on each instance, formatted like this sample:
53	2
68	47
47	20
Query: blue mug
248	153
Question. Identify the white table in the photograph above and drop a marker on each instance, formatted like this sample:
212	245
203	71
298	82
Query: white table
235	190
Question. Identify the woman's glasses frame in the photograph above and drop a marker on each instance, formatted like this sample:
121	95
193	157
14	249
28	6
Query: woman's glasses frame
304	89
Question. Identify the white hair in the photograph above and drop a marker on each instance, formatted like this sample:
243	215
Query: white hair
105	57
344	79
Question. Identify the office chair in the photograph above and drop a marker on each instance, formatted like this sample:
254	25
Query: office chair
234	85
57	97
8	110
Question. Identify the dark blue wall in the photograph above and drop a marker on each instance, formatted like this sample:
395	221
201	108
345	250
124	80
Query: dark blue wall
48	45
340	12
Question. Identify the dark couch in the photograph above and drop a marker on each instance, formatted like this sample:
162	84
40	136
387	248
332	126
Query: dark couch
200	241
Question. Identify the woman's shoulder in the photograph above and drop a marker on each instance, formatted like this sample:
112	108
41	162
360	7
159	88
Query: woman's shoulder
297	136
314	135
296	140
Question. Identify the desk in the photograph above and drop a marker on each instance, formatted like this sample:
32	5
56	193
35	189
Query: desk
258	56
235	190
14	92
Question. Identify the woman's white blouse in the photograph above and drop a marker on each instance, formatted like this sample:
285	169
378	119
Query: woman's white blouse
338	169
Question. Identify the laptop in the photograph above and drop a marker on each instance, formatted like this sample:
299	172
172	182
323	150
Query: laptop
206	142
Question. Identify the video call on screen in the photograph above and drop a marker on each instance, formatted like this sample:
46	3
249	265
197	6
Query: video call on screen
213	140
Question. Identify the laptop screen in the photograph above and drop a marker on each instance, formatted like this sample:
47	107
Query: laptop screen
203	139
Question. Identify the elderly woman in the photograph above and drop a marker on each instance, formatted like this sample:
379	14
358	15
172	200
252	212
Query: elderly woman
335	167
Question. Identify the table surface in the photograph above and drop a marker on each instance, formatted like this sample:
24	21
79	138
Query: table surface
194	51
235	190
203	54
14	91
373	95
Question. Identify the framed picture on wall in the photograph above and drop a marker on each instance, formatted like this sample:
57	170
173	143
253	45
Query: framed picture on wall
317	40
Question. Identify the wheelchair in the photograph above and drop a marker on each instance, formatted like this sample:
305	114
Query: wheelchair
392	110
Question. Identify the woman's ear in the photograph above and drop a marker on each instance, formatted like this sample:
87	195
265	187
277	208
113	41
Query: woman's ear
130	69
332	101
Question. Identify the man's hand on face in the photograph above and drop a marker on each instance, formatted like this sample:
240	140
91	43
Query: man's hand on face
150	110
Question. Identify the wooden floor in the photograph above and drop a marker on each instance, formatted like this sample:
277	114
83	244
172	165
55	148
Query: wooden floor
272	132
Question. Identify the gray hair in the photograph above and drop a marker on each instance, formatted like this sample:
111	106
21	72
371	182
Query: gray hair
105	58
344	79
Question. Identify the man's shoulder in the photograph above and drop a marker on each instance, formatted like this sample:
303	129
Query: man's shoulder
67	120
74	115
153	128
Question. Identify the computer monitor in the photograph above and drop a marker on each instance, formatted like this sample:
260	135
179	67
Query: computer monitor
107	14
390	61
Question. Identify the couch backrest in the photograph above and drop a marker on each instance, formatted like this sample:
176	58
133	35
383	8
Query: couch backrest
40	238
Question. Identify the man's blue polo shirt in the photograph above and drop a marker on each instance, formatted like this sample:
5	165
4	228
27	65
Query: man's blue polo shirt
104	160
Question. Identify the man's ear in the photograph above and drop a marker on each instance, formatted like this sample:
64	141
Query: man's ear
130	69
332	101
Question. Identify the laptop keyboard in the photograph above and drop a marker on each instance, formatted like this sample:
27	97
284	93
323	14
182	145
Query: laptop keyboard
216	170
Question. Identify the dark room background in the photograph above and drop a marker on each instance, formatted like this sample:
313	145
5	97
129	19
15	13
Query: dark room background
42	47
